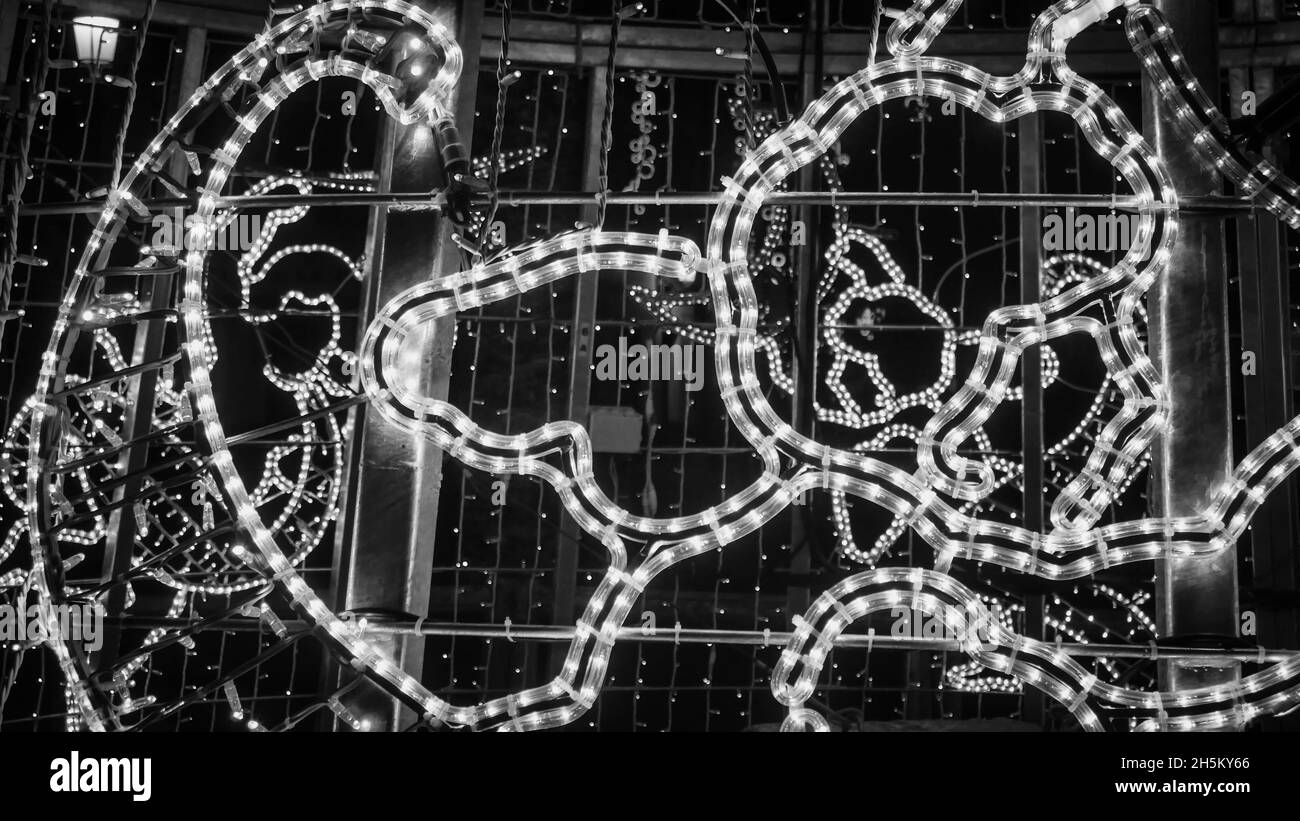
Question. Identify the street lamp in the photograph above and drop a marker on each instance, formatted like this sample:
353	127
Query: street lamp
96	41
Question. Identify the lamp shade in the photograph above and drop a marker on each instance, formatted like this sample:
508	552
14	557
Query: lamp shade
96	39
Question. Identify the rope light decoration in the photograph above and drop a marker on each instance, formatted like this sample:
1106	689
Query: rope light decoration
354	38
1200	120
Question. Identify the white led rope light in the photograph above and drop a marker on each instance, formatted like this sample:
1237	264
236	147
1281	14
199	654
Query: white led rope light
1200	120
991	644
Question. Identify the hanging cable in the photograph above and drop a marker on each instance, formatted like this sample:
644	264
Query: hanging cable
769	64
751	137
607	126
22	166
131	91
875	32
494	163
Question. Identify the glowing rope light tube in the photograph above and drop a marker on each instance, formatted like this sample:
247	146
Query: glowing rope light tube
991	644
1200	120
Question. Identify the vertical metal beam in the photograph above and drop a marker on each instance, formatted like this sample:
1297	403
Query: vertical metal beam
1188	329
805	331
9	107
1031	374
1269	399
580	355
1265	310
8	39
392	516
196	48
142	390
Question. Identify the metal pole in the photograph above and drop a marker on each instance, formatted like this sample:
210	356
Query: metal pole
805	319
553	43
8	97
1188	329
1267	384
8	35
435	201
580	356
635	633
150	340
1031	376
387	541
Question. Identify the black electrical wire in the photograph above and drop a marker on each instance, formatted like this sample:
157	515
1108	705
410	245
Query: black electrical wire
498	126
607	124
769	63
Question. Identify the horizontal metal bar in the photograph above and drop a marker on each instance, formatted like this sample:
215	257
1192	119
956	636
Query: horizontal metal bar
753	637
689	46
426	201
668	635
435	200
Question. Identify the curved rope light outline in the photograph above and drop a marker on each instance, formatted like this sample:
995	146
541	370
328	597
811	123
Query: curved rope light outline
1200	120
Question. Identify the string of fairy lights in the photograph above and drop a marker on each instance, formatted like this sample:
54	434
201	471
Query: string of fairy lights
352	39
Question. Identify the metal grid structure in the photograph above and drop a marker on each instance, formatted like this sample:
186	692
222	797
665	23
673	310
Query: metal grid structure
515	365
